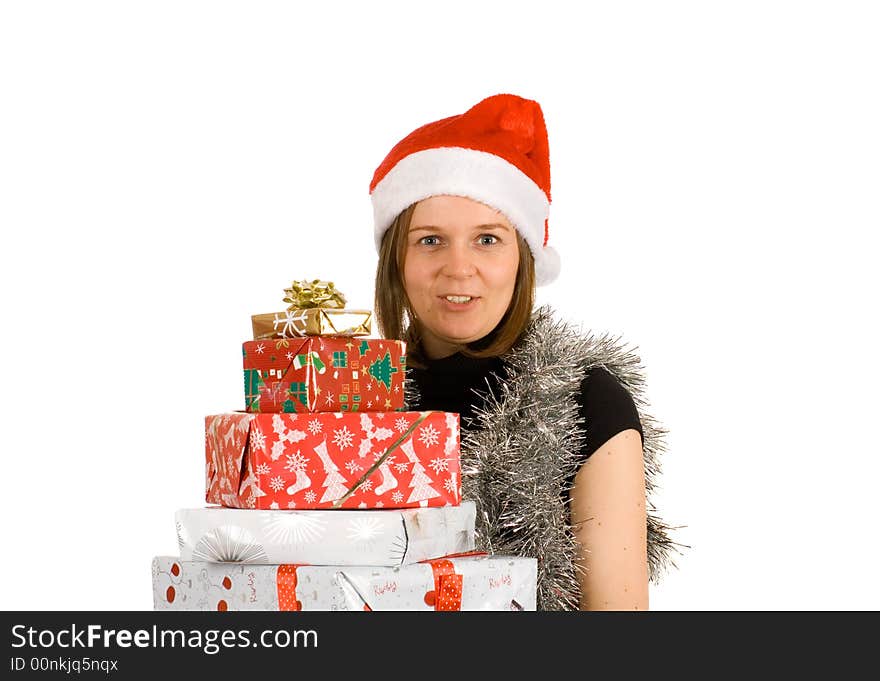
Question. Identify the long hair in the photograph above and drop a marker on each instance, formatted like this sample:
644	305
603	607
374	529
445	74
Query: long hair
394	314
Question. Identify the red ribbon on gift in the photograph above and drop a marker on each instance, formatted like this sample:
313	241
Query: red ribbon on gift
448	585
285	582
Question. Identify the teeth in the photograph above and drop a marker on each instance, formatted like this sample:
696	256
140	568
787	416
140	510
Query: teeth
458	299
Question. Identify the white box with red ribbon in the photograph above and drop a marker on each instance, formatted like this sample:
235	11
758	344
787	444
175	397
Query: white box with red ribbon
464	582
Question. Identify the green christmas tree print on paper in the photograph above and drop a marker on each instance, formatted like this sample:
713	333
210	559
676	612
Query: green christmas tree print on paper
382	370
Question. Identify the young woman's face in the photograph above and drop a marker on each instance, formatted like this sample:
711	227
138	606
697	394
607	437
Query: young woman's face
461	263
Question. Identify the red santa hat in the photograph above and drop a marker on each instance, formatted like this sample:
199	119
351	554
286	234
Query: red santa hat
495	153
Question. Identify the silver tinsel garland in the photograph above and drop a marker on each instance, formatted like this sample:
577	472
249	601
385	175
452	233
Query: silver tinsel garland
524	444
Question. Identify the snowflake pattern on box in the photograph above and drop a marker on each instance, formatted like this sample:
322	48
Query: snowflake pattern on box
309	461
323	374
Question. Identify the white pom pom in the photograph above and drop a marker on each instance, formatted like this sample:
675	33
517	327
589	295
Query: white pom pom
547	265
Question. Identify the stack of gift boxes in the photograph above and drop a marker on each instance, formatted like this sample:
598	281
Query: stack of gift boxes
325	493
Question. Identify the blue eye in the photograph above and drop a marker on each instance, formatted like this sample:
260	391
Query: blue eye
492	237
424	240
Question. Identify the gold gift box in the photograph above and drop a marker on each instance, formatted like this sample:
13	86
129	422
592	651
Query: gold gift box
313	321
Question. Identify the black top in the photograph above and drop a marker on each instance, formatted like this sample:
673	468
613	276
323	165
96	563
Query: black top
447	385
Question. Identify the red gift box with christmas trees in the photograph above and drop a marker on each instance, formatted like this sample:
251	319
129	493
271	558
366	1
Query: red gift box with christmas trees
330	460
323	374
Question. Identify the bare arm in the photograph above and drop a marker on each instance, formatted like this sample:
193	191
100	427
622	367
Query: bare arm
608	511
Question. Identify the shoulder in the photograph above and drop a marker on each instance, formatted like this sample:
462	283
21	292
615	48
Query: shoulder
606	407
600	385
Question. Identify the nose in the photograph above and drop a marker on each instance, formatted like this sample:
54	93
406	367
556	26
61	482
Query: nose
459	261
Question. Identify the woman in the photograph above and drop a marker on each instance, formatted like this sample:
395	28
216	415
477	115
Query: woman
554	447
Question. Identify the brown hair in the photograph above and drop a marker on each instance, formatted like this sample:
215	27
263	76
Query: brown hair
394	315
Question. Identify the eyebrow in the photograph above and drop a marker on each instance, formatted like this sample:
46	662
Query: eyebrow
432	228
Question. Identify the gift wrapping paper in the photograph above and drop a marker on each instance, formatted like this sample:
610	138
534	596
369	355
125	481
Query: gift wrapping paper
452	583
314	321
322	373
384	537
314	461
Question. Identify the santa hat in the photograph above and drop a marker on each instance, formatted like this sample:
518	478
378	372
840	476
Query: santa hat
495	153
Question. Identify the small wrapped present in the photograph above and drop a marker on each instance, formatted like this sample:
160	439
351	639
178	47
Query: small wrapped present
353	537
330	460
470	582
312	322
316	309
317	373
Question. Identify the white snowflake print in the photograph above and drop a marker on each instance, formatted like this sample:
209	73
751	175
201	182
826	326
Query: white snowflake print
289	356
429	435
396	497
258	440
380	504
367	486
369	404
401	425
291	504
343	437
401	467
274	505
276	483
315	426
364	530
260	349
310	497
329	398
388	460
352	466
297	529
263	469
380	415
439	464
450	486
296	462
397	388
369	386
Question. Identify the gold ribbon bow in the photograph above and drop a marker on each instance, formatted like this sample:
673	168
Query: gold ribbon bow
316	293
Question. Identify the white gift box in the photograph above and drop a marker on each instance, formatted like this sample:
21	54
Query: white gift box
325	537
455	583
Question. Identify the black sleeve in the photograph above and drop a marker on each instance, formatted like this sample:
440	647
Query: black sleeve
606	408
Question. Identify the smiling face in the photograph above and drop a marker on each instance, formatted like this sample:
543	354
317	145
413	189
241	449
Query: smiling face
460	271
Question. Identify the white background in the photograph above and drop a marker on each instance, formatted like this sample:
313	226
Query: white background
167	168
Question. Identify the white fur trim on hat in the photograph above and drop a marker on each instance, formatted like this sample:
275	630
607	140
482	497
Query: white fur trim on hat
477	175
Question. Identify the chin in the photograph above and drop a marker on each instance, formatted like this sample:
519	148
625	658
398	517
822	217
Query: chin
460	333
